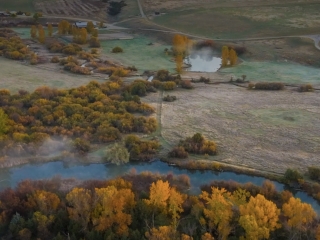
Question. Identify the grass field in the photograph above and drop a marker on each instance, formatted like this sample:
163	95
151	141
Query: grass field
265	130
16	5
137	52
246	22
16	76
276	72
24	33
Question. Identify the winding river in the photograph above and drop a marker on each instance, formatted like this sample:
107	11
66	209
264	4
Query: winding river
11	176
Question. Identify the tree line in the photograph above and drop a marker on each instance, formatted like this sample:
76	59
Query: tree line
149	206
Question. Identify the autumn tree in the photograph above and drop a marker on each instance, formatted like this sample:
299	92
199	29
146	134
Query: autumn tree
90	27
162	233
180	47
233	57
79	206
167	200
33	31
117	154
299	216
259	217
218	211
3	122
63	27
225	56
50	30
179	63
42	35
83	35
112	209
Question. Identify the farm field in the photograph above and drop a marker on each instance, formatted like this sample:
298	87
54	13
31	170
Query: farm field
244	21
265	130
16	5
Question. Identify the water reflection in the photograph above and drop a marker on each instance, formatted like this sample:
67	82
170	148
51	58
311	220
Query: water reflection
11	177
203	60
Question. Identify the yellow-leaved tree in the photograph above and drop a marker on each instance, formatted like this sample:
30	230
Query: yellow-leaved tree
112	210
299	215
166	199
218	211
225	56
80	206
259	217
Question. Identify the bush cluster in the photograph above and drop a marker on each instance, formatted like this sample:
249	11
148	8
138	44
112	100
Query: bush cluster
305	88
114	71
12	47
58	47
169	98
196	144
117	50
266	86
186	84
90	112
164	75
141	150
314	173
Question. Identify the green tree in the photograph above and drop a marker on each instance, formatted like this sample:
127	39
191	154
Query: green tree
117	154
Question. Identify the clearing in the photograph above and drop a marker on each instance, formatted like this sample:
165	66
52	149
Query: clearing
265	130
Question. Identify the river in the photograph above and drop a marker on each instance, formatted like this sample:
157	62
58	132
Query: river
11	176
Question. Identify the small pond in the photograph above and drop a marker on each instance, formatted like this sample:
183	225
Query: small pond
11	176
203	60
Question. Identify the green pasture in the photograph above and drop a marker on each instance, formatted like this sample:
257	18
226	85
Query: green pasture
17	5
139	53
24	33
275	72
245	22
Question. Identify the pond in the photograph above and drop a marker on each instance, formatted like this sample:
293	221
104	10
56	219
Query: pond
10	177
203	60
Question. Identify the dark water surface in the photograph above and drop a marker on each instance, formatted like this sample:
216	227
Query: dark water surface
11	176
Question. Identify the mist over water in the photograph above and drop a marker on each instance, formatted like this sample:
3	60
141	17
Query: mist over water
203	60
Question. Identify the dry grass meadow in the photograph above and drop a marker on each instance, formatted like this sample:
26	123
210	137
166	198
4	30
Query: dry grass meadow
16	76
265	130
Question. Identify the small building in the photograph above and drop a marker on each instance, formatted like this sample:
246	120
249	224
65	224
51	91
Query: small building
83	24
4	14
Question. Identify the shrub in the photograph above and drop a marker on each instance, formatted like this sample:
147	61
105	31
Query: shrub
117	50
251	86
82	146
85	55
269	86
68	50
186	84
178	152
204	79
170	85
94	51
169	98
55	59
163	75
306	88
314	173
292	176
95	43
